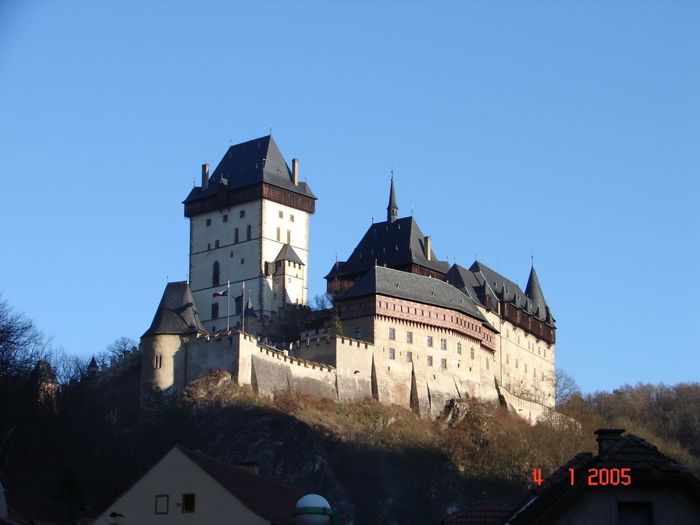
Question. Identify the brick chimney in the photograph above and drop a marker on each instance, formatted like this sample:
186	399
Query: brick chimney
607	438
427	246
205	177
295	171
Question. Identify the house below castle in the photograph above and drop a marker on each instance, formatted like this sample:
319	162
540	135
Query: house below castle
410	330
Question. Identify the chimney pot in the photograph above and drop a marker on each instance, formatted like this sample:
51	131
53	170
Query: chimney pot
427	246
295	171
608	438
205	177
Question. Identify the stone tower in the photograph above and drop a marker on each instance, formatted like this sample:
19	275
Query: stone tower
249	224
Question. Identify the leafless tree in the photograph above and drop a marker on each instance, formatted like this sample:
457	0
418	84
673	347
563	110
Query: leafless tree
565	386
21	344
121	347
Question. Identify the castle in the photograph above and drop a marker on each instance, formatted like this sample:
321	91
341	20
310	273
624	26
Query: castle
406	328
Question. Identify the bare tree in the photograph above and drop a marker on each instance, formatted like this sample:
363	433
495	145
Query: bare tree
21	344
323	302
121	347
565	386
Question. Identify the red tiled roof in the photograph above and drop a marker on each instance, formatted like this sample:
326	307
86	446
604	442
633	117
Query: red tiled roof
482	513
269	499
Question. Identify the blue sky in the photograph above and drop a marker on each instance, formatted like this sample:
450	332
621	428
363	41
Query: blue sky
570	132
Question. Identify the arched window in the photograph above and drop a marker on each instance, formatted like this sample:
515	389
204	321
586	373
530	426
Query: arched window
215	274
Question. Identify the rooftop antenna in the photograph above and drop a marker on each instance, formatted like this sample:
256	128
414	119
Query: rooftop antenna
411	211
270	129
372	219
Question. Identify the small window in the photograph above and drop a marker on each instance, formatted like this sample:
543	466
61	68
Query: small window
215	274
162	504
188	503
429	341
208	246
443	363
241	214
235	236
392	334
430	360
158	361
279	233
214	310
409	357
291	218
459	348
487	364
216	244
289	236
392	353
225	217
409	337
443	344
516	363
281	214
526	368
248	232
242	261
507	359
208	222
471	352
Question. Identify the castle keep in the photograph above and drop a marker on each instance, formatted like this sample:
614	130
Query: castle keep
406	328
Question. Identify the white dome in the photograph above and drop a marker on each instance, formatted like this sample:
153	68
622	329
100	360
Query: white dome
312	500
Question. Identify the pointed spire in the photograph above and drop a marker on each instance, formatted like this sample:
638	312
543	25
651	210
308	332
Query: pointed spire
534	291
392	210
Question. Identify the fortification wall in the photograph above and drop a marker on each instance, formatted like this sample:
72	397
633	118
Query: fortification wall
204	355
526	409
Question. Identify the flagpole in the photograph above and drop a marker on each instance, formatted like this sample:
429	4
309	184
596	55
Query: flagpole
243	310
228	306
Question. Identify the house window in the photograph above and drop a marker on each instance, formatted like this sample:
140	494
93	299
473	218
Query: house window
429	341
248	232
409	337
225	217
291	218
214	310
392	334
634	513
235	235
358	332
443	344
459	348
471	352
162	504
241	214
188	503
409	357
289	236
216	244
279	233
281	214
443	363
392	353
208	222
430	360
215	274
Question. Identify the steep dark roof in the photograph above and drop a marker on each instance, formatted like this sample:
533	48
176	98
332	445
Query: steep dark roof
392	210
269	499
534	291
393	244
413	287
482	513
249	163
287	253
647	465
176	312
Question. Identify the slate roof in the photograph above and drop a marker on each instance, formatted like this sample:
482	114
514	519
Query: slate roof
482	513
392	244
647	465
249	163
269	499
412	287
176	313
479	281
287	253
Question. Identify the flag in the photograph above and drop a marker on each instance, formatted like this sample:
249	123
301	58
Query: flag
220	293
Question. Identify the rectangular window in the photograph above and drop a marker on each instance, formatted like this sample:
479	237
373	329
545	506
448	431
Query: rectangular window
516	363
291	218
526	368
248	232
289	236
208	222
241	214
216	243
214	310
409	357
459	348
471	352
188	503
281	214
225	217
392	334
279	234
443	363
430	360
158	361
392	353
409	337
429	341
487	364
235	235
162	504
443	344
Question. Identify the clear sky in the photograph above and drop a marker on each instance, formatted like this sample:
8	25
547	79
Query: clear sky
567	130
